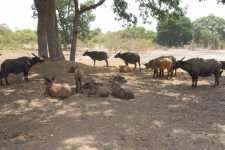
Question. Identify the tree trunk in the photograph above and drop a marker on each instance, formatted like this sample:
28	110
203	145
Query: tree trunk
41	30
55	50
58	39
64	43
75	33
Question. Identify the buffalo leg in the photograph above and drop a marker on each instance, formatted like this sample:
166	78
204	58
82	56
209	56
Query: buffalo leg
139	65
1	82
77	86
196	81
106	63
192	81
157	74
216	80
94	62
25	76
135	66
6	78
80	83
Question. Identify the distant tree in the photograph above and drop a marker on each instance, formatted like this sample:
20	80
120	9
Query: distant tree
113	41
207	28
176	35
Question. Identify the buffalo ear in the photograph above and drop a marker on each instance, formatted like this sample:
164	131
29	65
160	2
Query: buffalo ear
33	54
182	59
45	77
53	78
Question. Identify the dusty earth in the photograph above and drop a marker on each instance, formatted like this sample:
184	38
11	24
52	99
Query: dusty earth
166	114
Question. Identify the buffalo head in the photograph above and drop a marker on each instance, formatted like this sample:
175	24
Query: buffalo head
49	79
37	58
85	53
117	55
177	64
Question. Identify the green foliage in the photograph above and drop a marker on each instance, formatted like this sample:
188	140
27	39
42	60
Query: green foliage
176	35
162	10
132	39
207	28
16	40
65	15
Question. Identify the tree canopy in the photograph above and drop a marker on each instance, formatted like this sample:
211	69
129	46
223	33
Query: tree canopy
176	35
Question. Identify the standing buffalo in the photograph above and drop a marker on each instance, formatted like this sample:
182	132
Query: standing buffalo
160	63
131	58
78	77
97	56
22	64
174	61
200	67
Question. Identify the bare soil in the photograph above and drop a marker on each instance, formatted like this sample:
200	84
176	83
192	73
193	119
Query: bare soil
166	114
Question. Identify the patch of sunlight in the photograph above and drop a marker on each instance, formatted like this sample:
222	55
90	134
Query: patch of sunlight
63	112
105	103
222	135
90	113
158	123
73	103
109	113
176	131
33	75
169	94
129	117
81	143
7	91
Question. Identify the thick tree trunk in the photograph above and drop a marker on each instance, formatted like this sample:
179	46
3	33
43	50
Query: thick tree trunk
75	35
41	30
55	50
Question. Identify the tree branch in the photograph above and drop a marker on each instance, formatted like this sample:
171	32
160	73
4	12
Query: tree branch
91	6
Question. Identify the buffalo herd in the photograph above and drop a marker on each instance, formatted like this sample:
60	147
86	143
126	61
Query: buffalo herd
120	88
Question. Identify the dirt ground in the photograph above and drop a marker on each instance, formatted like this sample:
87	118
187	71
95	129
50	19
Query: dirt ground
166	114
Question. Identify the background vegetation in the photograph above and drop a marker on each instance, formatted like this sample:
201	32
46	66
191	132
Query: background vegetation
206	32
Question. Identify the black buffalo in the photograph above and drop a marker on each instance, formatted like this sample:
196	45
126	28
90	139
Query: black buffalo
15	66
200	67
97	56
131	58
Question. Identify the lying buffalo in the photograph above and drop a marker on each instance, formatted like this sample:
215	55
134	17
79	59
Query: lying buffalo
97	89
200	67
57	90
15	66
120	89
97	56
124	69
129	58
